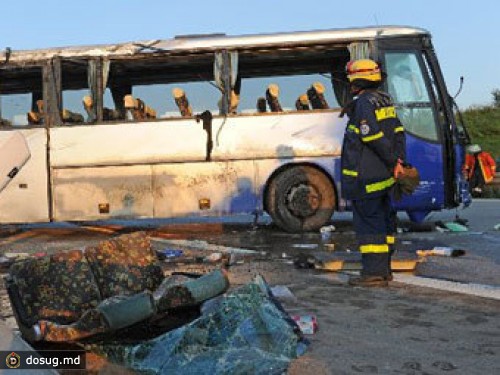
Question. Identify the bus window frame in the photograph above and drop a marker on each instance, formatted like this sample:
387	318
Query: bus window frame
26	90
337	51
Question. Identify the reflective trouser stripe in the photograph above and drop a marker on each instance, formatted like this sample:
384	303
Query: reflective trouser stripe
374	249
391	240
399	129
377	186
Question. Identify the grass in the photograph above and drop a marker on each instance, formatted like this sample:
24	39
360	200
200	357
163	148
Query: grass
483	125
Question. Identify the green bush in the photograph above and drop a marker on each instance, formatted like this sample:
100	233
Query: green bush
483	125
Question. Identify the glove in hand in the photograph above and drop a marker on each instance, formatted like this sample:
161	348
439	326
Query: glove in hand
407	180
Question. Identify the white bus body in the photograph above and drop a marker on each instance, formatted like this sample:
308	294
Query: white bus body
166	166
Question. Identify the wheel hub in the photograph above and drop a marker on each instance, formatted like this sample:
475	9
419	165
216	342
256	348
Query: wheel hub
303	200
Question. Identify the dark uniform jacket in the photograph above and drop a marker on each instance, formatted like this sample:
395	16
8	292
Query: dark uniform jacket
373	142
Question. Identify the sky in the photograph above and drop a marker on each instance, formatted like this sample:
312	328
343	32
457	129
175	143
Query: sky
465	33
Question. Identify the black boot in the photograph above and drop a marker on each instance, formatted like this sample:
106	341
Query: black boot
369	281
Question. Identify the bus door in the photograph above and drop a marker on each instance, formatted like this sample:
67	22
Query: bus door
416	103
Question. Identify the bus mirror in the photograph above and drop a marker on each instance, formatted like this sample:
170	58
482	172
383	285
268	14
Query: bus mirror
459	87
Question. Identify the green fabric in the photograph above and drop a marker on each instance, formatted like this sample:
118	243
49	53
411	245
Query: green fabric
123	311
207	286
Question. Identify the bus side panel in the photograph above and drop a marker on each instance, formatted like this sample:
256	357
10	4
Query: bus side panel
283	135
428	159
25	199
207	188
180	140
102	193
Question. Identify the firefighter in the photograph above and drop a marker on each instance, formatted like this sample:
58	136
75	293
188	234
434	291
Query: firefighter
373	154
479	168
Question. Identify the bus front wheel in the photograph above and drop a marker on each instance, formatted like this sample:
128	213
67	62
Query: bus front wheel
300	199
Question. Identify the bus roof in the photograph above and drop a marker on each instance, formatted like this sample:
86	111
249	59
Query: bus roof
191	43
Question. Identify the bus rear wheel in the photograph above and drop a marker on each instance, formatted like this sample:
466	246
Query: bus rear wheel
300	199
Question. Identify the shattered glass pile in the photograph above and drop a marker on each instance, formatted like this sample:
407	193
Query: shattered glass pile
242	332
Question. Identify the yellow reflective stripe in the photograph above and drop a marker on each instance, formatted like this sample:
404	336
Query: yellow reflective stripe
391	240
372	137
377	186
385	113
365	249
399	129
353	128
348	172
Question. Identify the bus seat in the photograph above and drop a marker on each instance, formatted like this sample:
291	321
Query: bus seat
36	117
4	122
233	102
272	94
72	117
108	114
39	105
261	105
302	103
182	102
316	96
138	109
70	296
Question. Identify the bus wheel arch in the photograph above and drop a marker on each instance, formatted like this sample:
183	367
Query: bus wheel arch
300	197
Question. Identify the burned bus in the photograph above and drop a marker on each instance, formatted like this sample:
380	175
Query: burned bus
216	125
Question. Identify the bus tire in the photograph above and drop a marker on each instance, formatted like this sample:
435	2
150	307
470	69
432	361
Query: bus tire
301	199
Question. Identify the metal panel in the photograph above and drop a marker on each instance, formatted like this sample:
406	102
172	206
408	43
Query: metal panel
186	44
127	143
229	186
284	135
26	198
78	192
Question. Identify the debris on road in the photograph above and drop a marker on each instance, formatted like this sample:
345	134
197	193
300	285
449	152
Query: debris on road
443	251
244	332
452	226
329	246
326	232
304	261
305	245
456	227
73	295
168	253
308	324
282	292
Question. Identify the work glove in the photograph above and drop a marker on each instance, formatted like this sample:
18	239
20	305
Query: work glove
398	169
407	180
